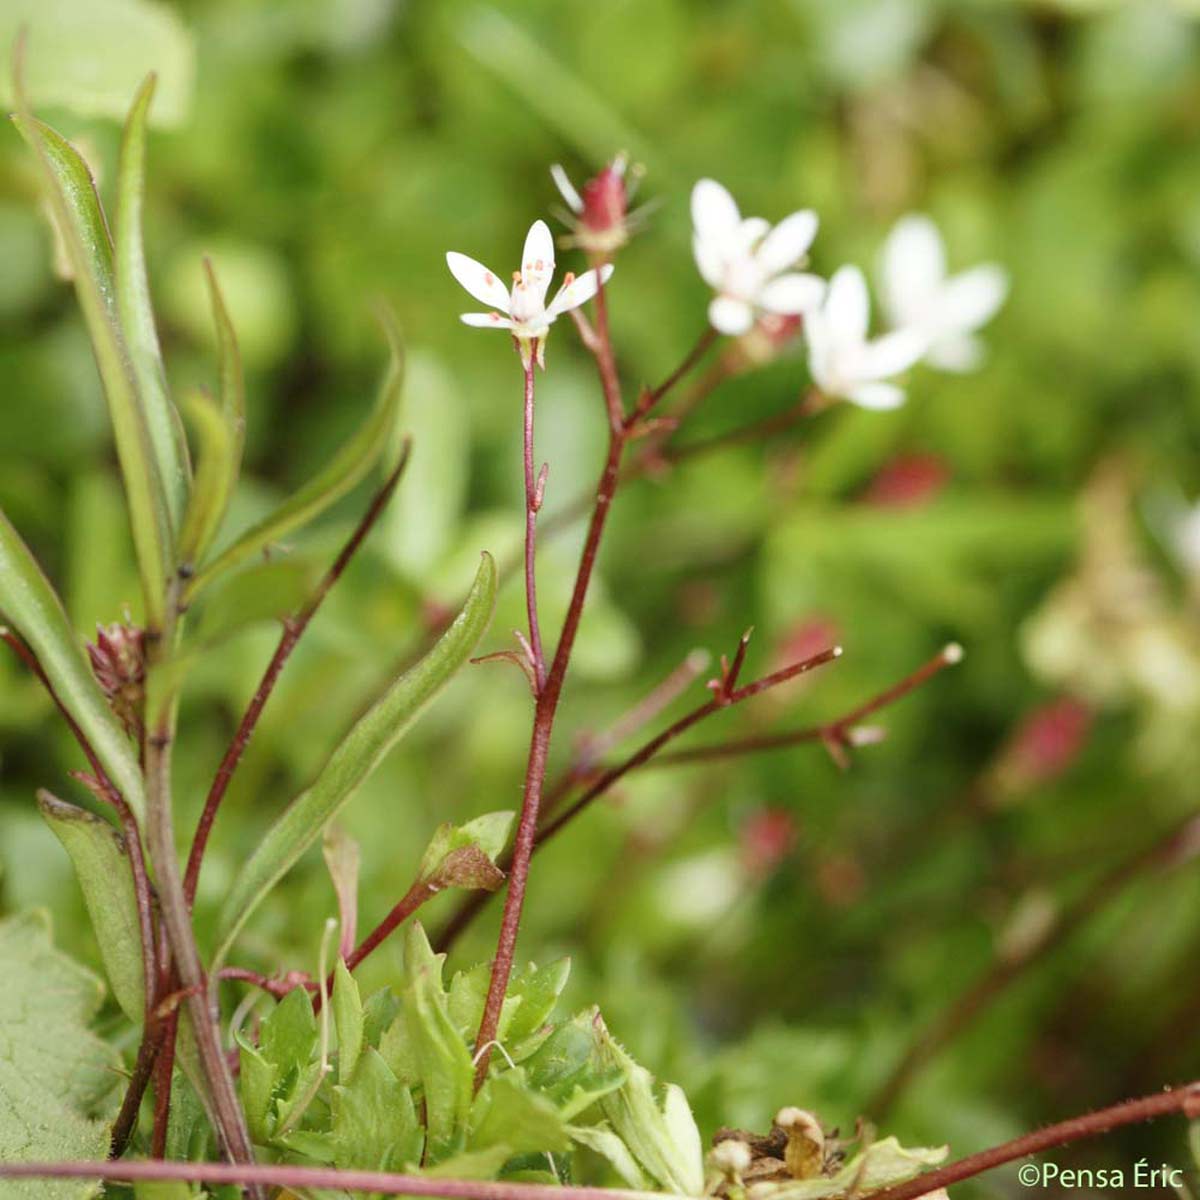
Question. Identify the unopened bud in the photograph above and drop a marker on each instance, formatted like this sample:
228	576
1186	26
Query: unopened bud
118	659
731	1157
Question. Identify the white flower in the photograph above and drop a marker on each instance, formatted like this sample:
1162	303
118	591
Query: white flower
842	361
745	260
524	310
916	294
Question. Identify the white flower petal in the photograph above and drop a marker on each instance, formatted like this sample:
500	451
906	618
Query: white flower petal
891	354
958	352
478	280
788	242
709	259
792	294
971	299
749	232
877	396
847	306
492	320
537	259
820	349
912	268
578	291
714	211
733	317
566	188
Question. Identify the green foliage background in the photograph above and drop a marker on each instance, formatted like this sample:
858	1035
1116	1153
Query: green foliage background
326	153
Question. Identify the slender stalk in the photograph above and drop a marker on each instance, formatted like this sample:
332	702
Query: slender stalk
293	629
161	707
477	901
163	1073
651	396
835	732
1185	1100
533	502
303	1179
103	788
1179	844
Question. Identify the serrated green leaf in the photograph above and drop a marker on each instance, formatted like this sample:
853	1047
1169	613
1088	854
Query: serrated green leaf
375	733
98	855
379	1012
664	1140
567	1067
288	1037
54	1072
442	1059
257	1079
538	989
29	602
464	855
346	468
136	311
508	1113
375	1124
347	1020
71	192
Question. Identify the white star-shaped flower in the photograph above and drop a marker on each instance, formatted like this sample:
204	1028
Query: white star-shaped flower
916	293
843	362
747	262
524	310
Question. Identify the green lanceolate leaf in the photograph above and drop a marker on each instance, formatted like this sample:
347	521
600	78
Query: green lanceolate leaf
346	468
347	1020
216	475
54	1071
363	748
464	855
97	852
221	433
30	604
136	311
80	219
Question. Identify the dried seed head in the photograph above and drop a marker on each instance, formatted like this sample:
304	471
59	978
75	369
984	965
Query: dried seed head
805	1153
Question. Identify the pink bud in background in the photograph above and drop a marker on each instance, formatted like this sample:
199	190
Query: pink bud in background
1046	743
907	481
766	838
600	211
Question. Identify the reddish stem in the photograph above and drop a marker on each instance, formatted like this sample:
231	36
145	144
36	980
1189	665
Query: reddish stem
1132	1112
651	396
293	628
533	502
475	903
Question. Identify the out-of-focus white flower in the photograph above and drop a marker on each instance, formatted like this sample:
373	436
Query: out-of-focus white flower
917	294
747	262
843	362
1185	538
524	310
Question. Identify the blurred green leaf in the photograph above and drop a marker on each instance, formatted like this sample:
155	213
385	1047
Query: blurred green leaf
29	602
101	864
89	55
136	310
343	471
80	220
357	756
